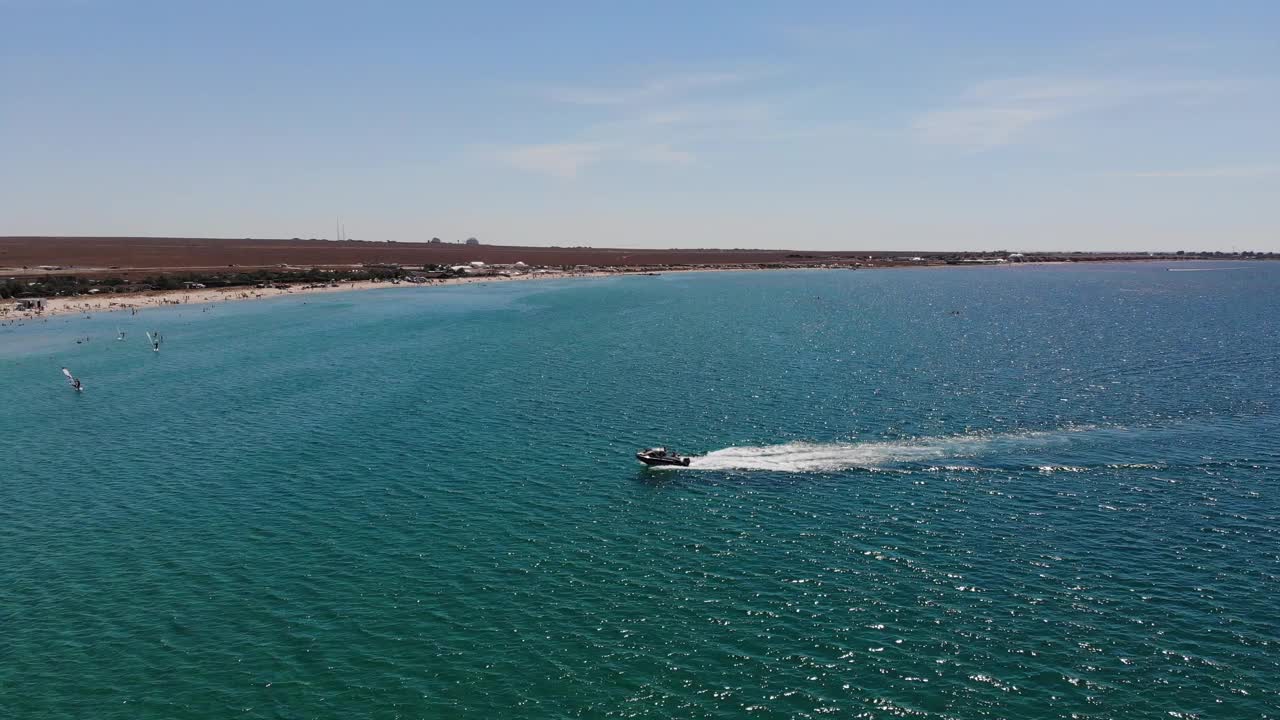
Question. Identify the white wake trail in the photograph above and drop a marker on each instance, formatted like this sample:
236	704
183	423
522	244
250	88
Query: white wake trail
831	457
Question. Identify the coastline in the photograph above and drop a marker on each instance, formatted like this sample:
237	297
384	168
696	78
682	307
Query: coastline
136	302
131	302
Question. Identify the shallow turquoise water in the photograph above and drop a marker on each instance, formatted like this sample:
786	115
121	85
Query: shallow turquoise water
1060	502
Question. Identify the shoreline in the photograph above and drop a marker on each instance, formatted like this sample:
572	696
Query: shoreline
120	302
131	302
135	302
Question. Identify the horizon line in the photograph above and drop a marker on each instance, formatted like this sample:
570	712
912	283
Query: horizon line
440	241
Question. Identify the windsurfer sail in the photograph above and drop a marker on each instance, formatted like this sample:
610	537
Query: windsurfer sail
155	341
119	334
72	380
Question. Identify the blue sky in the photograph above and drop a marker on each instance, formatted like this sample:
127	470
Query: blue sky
1084	125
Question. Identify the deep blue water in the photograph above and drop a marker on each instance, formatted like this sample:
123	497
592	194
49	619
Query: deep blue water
1034	492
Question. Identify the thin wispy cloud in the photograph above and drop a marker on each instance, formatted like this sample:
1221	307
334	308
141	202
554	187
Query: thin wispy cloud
1237	171
658	122
658	88
561	160
840	35
691	121
568	160
661	154
1000	112
980	128
1031	90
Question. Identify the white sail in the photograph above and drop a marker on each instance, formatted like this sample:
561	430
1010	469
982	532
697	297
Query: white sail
72	381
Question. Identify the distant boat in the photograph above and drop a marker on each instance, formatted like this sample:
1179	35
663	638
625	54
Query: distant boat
73	381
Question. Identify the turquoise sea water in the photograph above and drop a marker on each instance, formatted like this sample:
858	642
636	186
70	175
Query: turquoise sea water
1038	492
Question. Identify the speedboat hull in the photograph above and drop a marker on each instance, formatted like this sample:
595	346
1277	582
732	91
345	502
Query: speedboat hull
652	460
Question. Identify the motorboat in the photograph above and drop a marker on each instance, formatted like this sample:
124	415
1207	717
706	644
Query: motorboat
661	456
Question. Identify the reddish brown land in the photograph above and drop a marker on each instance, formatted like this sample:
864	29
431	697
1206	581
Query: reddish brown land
136	257
88	254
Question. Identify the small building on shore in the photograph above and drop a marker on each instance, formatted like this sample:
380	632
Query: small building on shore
32	304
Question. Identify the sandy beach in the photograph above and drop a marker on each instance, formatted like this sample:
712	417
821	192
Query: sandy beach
137	302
